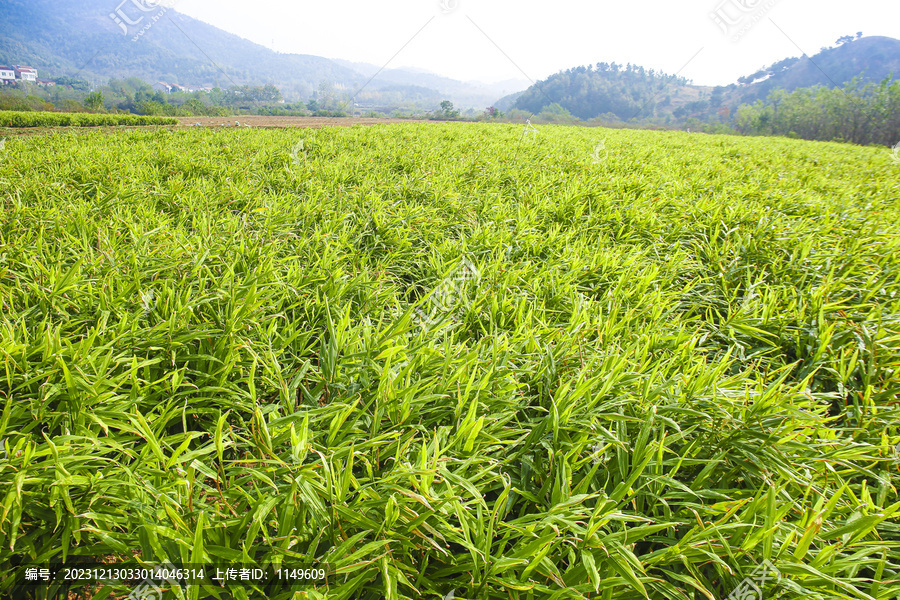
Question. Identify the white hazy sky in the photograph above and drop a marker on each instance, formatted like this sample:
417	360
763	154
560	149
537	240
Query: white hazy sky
495	40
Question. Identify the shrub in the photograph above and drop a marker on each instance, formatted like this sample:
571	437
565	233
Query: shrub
54	119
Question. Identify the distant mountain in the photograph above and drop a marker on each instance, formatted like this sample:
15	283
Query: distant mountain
140	38
628	91
507	102
79	38
465	94
871	59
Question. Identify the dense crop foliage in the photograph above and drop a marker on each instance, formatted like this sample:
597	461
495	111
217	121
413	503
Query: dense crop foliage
54	119
672	358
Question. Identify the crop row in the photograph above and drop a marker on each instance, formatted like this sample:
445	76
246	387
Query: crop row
57	119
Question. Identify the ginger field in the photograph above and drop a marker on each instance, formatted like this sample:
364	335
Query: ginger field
452	361
62	119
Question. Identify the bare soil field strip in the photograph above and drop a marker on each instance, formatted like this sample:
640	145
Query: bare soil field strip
251	120
281	122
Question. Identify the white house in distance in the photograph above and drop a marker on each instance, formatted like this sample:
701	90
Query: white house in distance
168	88
7	74
159	86
25	73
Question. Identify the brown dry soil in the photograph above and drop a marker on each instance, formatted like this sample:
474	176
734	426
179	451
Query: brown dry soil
251	120
281	122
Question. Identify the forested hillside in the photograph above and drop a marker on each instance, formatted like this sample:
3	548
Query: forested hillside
633	93
870	59
69	38
625	91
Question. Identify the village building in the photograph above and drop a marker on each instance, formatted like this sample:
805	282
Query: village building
7	74
168	88
25	73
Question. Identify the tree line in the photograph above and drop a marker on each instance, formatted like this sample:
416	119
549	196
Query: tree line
855	113
136	96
